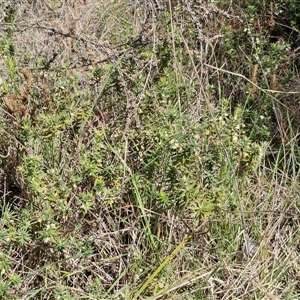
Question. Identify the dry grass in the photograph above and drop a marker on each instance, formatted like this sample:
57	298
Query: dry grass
125	127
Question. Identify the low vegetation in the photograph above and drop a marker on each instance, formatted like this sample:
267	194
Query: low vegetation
144	145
